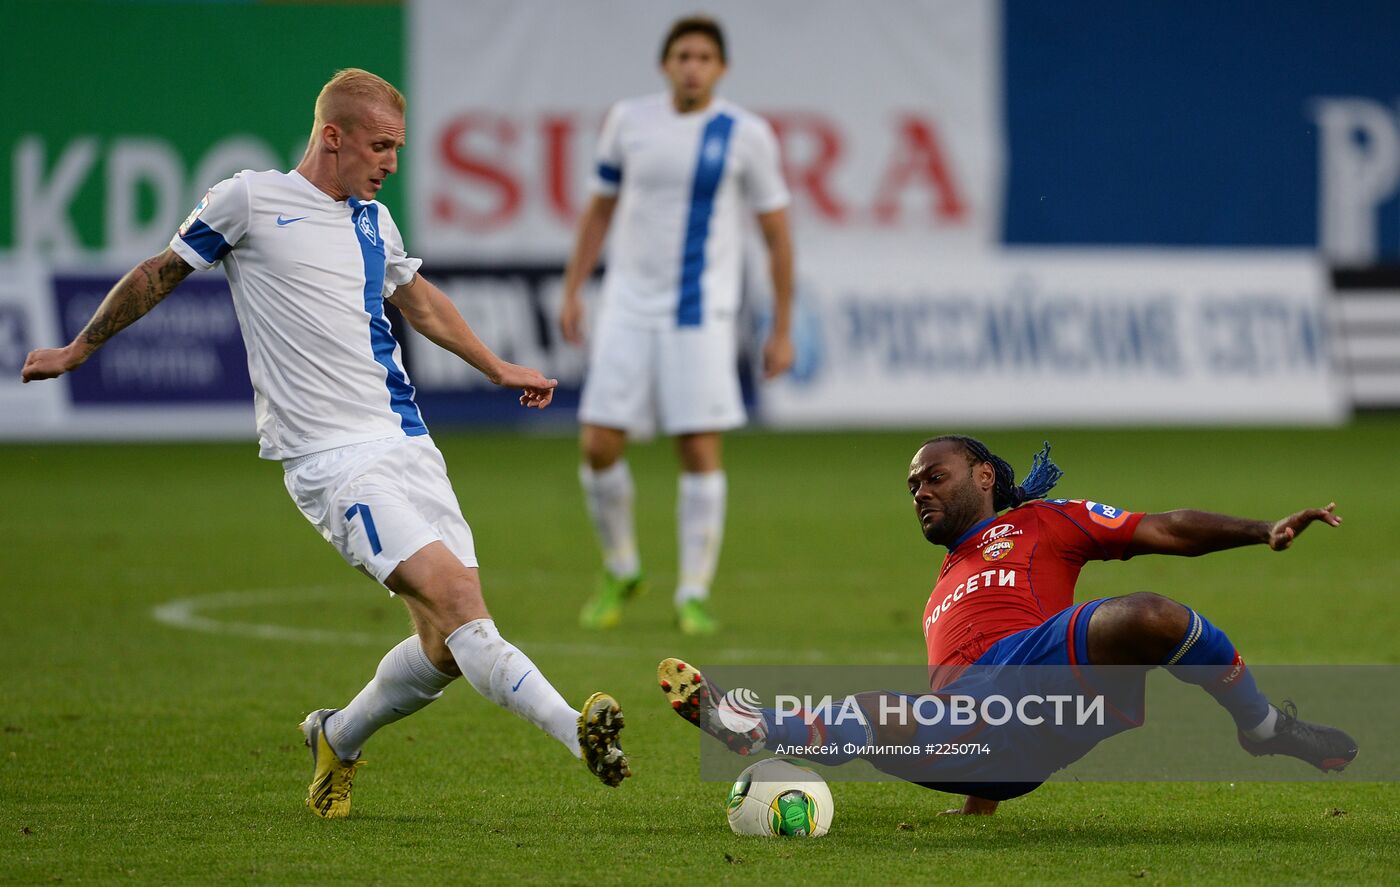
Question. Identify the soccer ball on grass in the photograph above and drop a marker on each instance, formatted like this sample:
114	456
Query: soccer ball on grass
776	798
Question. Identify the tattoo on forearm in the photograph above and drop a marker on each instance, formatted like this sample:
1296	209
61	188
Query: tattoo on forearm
134	295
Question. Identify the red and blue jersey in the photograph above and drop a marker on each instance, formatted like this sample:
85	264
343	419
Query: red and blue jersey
1014	571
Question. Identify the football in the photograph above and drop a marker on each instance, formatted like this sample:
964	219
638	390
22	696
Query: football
776	798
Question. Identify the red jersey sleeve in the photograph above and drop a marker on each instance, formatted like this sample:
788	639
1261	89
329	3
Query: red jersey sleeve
1085	530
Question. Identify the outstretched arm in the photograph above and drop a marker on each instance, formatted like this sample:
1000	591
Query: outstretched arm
428	310
134	295
1191	533
588	245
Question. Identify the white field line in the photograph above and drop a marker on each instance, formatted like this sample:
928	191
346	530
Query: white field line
195	613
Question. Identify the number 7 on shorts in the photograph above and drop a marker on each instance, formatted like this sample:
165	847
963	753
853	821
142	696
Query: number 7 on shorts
363	511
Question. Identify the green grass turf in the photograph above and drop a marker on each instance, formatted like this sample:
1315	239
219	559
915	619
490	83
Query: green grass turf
134	751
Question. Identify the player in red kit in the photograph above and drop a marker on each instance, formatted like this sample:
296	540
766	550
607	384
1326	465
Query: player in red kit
1012	571
1003	605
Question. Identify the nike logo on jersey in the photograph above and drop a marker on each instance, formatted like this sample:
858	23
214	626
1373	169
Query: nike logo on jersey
521	681
282	223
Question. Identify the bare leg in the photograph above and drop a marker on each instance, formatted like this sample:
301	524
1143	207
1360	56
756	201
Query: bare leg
441	595
601	446
700	453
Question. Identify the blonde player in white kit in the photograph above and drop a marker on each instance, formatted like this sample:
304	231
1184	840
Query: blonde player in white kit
679	171
311	258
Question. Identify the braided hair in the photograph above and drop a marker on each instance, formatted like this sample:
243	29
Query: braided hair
1006	493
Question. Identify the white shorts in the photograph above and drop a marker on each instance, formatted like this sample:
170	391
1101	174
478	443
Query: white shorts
686	379
380	502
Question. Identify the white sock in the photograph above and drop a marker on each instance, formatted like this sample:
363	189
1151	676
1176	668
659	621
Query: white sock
1265	728
507	677
405	681
700	530
609	496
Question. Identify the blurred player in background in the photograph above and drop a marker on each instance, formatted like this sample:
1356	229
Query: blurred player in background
677	170
1004	598
311	258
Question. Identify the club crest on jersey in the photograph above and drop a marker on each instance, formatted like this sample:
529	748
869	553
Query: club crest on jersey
194	214
367	228
1106	515
998	550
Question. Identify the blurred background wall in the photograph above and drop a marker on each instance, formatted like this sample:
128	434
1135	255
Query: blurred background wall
1006	213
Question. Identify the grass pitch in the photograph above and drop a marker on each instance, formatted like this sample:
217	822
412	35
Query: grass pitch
137	751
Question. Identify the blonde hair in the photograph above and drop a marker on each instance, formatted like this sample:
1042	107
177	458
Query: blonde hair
343	98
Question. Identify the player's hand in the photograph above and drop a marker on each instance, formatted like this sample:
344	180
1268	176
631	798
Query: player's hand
777	356
973	807
1285	531
50	363
571	320
535	390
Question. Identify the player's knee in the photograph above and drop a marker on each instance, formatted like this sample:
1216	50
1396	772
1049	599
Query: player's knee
1157	617
699	453
601	448
454	601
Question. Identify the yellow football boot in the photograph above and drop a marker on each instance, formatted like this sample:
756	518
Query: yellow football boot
599	722
328	796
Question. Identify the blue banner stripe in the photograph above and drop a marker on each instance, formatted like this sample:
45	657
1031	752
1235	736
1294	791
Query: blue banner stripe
610	174
709	170
210	244
365	217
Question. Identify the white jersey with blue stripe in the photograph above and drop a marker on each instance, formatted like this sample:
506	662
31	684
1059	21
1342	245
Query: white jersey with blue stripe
683	182
309	276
